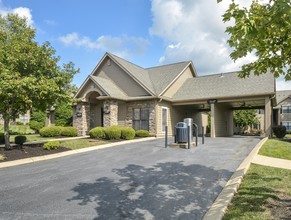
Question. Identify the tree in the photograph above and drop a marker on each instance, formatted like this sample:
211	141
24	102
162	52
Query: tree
245	118
264	29
29	72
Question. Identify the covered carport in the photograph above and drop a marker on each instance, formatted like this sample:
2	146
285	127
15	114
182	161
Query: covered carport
221	94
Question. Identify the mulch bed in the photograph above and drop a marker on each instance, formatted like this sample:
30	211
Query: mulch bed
28	151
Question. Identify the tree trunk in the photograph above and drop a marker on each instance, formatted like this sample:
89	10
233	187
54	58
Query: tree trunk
6	133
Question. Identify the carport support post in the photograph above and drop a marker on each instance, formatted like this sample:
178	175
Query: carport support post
268	117
212	132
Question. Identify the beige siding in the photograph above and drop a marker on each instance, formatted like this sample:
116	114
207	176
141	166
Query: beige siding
174	116
122	107
201	119
223	120
88	87
286	116
178	83
112	71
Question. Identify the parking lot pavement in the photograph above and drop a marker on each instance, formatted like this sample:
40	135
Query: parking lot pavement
132	181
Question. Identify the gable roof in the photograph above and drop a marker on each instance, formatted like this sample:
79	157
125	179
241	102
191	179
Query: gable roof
282	95
163	76
139	74
225	85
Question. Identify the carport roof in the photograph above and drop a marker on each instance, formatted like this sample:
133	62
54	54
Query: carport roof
225	85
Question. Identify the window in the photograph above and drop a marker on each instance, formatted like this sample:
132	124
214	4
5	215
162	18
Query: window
287	124
164	118
286	109
140	119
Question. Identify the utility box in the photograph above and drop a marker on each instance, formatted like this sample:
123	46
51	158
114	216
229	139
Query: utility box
189	122
181	132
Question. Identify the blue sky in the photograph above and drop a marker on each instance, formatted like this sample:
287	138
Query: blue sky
145	32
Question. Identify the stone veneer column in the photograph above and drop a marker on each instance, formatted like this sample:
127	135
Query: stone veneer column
110	110
81	118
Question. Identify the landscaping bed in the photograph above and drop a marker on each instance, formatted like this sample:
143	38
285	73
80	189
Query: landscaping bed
28	151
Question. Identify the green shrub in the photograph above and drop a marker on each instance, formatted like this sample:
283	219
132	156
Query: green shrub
35	125
51	131
127	133
279	131
2	139
112	132
97	132
51	145
2	157
20	139
69	132
142	133
19	123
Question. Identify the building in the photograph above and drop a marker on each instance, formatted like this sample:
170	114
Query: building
118	92
282	111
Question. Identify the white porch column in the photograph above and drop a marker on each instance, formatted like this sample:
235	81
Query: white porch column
268	117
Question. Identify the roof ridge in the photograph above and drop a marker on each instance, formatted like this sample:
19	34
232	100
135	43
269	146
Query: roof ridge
125	60
169	64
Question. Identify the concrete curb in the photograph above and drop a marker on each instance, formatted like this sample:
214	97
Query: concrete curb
218	208
71	152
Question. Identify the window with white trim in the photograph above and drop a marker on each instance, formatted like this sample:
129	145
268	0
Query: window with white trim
164	118
286	109
287	124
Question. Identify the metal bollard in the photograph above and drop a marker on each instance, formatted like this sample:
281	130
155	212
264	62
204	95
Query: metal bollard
202	135
166	136
189	137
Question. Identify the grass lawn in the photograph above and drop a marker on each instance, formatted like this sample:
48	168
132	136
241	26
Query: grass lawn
32	137
276	148
82	143
263	194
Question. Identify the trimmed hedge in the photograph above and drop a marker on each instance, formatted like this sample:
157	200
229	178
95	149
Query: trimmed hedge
279	131
51	145
20	139
113	132
127	133
97	132
142	133
35	125
2	139
51	131
69	132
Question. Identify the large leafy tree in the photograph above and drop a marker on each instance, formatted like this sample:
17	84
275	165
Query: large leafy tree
262	29
245	118
29	72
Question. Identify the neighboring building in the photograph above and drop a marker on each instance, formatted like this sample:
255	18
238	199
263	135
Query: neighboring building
282	112
25	118
118	92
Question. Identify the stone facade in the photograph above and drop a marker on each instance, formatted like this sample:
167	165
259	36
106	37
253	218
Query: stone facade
143	104
110	116
81	118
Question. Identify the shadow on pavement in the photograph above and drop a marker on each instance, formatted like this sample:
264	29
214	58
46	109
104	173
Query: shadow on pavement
169	190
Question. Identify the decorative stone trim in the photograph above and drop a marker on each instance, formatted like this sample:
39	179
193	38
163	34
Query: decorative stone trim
143	104
81	119
110	113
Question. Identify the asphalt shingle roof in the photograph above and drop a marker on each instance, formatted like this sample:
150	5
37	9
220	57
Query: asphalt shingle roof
282	95
109	86
225	85
162	76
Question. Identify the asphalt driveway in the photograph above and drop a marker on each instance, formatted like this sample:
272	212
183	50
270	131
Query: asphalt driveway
133	181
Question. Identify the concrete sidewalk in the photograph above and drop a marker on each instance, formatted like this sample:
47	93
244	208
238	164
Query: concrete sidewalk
272	162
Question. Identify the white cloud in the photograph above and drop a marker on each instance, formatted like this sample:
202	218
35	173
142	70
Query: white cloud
21	11
194	30
281	84
123	46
